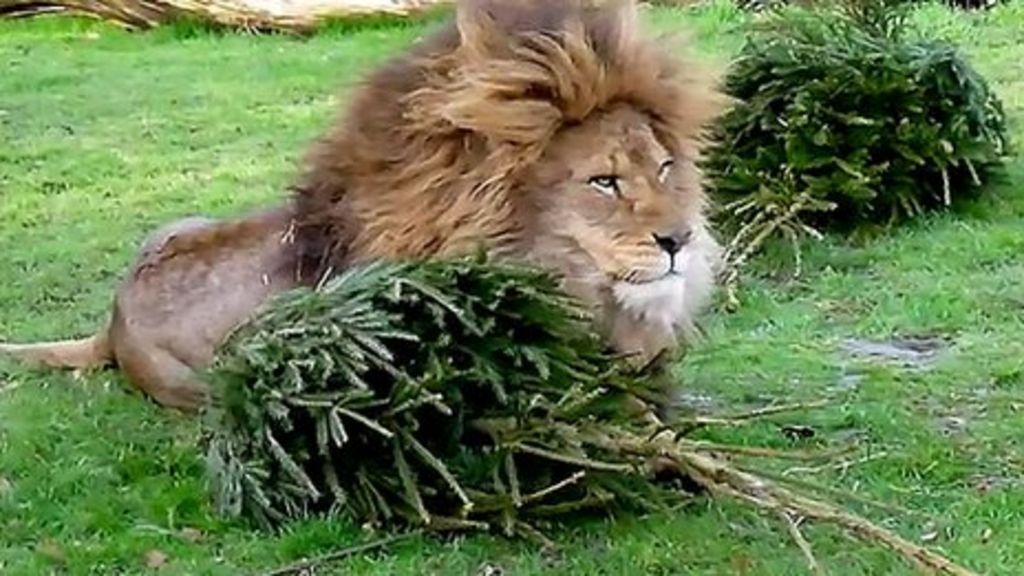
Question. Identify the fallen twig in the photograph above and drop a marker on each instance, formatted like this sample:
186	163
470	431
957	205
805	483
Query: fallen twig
757	451
778	409
802	543
304	565
745	417
842	465
541	494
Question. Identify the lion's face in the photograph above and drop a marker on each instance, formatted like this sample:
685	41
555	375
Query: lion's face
619	213
617	194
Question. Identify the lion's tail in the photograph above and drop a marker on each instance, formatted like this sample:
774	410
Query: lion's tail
82	353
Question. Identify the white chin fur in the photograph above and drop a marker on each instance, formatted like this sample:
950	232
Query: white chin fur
660	302
672	302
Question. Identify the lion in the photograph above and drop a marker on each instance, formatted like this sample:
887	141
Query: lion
551	133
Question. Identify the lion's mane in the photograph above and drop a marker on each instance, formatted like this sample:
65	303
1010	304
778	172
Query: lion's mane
424	161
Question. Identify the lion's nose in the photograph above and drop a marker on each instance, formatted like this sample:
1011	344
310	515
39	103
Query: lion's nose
674	242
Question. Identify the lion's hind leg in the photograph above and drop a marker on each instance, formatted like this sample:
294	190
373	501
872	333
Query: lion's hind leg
159	374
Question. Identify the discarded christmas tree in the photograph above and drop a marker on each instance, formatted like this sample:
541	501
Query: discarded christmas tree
847	122
403	392
455	395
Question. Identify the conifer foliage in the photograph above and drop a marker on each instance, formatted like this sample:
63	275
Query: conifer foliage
845	121
443	393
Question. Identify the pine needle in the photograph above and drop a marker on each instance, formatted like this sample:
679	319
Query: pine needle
573	460
545	492
366	422
440	468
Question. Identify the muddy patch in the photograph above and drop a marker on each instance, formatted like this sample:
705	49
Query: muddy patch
910	352
952	425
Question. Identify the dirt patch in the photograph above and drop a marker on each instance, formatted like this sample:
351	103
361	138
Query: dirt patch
910	352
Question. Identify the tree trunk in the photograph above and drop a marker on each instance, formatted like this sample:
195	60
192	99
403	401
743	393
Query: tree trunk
260	15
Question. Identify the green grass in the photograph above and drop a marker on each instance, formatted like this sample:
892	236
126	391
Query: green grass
104	135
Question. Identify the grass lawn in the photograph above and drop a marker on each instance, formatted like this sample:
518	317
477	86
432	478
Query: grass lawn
104	135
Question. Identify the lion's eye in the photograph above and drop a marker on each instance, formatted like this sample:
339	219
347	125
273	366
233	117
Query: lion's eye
665	168
606	185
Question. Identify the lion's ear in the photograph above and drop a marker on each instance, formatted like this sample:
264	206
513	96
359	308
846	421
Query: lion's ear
486	26
478	30
618	25
625	14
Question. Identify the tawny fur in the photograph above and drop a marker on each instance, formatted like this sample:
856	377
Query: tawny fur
82	353
192	283
502	130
